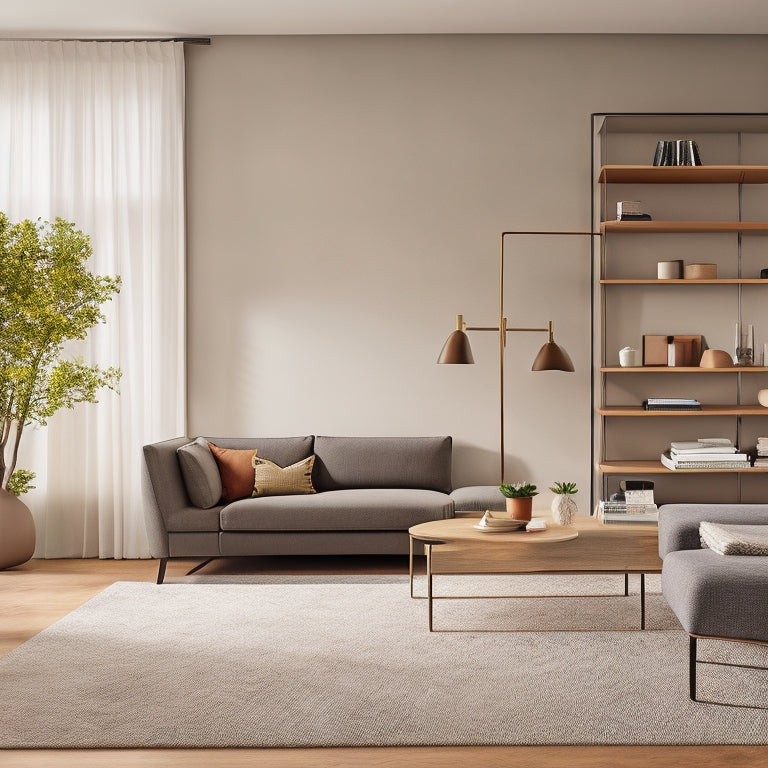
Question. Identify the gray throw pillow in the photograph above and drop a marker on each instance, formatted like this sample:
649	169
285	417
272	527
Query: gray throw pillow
200	473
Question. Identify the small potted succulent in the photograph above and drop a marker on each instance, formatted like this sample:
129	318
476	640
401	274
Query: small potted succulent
519	499
564	508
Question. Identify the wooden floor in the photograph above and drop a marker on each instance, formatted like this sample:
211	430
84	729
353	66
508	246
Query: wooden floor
35	595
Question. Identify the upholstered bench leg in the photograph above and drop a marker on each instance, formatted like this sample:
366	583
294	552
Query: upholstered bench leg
692	666
161	570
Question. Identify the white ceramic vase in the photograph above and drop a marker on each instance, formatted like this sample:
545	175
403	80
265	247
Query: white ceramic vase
564	509
17	531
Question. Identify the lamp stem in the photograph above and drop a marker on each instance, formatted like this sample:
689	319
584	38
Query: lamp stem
502	343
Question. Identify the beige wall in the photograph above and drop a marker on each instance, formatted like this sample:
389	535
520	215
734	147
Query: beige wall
345	198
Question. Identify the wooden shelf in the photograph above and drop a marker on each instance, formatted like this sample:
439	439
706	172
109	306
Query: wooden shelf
683	174
706	410
713	281
642	467
684	369
665	239
687	227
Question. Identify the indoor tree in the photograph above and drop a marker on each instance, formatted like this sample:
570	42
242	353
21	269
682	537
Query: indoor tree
47	298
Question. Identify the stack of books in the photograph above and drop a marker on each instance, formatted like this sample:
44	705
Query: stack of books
671	404
616	512
762	452
637	505
631	210
704	453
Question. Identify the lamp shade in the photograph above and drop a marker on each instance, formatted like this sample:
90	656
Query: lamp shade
456	350
552	358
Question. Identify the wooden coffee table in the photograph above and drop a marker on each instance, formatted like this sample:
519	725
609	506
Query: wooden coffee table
454	546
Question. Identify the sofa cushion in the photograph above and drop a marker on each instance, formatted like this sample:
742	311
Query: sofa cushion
346	510
717	596
479	498
282	450
271	480
200	473
236	470
383	462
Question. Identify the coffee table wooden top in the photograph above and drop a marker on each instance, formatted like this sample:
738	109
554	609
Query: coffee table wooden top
463	529
589	546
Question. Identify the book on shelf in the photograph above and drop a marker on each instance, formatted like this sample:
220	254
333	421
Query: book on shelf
707	456
702	446
680	405
673	463
616	512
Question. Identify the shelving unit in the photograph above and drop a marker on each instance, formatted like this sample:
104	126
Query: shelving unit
629	301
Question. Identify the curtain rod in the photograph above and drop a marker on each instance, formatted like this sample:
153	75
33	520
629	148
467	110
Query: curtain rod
187	40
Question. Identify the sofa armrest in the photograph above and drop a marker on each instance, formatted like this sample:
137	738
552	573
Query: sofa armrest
679	523
163	491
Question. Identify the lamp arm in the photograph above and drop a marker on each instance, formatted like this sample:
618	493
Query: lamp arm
508	330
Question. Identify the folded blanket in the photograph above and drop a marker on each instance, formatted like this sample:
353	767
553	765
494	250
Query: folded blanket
734	539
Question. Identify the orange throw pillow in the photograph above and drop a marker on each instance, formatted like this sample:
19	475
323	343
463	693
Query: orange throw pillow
236	471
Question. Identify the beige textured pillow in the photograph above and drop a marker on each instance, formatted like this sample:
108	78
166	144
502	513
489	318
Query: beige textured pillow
272	480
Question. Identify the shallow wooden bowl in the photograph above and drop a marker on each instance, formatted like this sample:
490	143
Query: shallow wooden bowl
715	358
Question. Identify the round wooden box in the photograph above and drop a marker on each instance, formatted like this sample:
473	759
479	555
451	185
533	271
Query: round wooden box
700	271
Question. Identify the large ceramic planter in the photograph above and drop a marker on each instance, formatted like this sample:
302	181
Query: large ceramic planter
17	531
520	508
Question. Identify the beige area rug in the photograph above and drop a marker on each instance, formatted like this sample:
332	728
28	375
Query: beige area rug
348	661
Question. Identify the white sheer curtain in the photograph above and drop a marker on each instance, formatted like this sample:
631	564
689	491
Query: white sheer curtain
94	133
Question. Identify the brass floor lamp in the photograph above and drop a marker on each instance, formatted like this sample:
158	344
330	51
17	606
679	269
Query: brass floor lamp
551	357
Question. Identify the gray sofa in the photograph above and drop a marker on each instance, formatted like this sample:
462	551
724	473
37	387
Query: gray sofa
713	595
370	491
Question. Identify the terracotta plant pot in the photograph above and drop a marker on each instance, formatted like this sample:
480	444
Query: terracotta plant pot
17	531
520	508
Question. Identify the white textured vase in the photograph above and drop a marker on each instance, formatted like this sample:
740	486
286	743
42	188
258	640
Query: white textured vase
17	531
564	509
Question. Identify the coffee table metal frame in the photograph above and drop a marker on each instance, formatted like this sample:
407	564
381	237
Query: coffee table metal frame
428	534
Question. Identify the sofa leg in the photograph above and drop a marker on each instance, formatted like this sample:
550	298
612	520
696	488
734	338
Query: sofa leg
200	565
161	570
692	666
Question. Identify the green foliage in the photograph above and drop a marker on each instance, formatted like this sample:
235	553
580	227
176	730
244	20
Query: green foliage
47	298
564	488
518	490
20	482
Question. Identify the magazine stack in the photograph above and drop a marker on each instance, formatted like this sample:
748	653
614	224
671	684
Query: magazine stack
705	453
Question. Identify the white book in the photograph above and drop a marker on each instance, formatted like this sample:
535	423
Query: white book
682	458
721	449
709	463
614	517
699	445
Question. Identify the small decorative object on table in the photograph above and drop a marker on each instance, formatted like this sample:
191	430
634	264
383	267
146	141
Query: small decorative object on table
564	508
519	499
495	523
